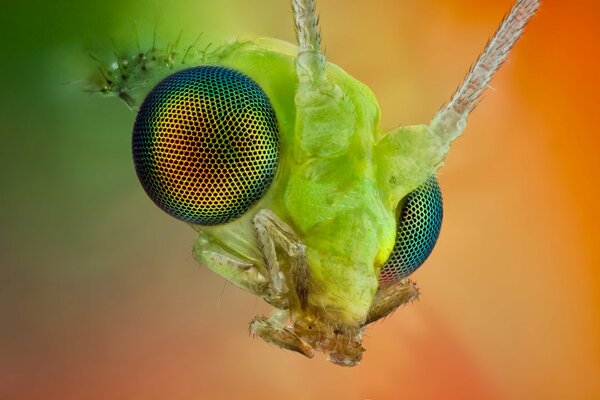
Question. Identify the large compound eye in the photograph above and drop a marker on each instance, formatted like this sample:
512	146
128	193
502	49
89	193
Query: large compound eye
418	229
205	144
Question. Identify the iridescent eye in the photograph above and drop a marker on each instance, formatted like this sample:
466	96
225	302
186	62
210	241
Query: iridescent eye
205	144
418	228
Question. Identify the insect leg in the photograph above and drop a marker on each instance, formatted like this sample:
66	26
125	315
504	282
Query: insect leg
243	274
389	298
274	330
271	231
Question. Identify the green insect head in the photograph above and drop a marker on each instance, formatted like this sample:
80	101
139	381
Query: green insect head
276	158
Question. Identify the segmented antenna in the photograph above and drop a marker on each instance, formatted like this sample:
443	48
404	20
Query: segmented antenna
450	120
311	61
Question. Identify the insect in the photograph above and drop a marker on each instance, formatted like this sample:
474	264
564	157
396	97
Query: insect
275	157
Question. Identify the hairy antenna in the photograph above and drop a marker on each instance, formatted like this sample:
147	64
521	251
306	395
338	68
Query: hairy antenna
450	120
311	61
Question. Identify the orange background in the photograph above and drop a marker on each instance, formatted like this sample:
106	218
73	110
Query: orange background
100	297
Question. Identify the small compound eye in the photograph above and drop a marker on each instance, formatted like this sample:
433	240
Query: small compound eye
418	229
205	144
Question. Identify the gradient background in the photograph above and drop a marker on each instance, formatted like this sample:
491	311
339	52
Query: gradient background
100	297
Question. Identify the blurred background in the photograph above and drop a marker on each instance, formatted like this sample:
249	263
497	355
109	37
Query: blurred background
100	297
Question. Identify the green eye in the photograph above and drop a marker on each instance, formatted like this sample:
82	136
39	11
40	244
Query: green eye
418	229
205	144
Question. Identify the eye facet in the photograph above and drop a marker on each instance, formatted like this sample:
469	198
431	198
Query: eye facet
206	144
418	229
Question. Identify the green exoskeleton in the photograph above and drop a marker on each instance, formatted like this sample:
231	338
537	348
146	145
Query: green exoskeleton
275	157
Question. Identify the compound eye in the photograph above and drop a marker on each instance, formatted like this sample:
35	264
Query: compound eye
206	144
418	228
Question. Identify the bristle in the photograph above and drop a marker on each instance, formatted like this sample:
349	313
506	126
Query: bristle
124	75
